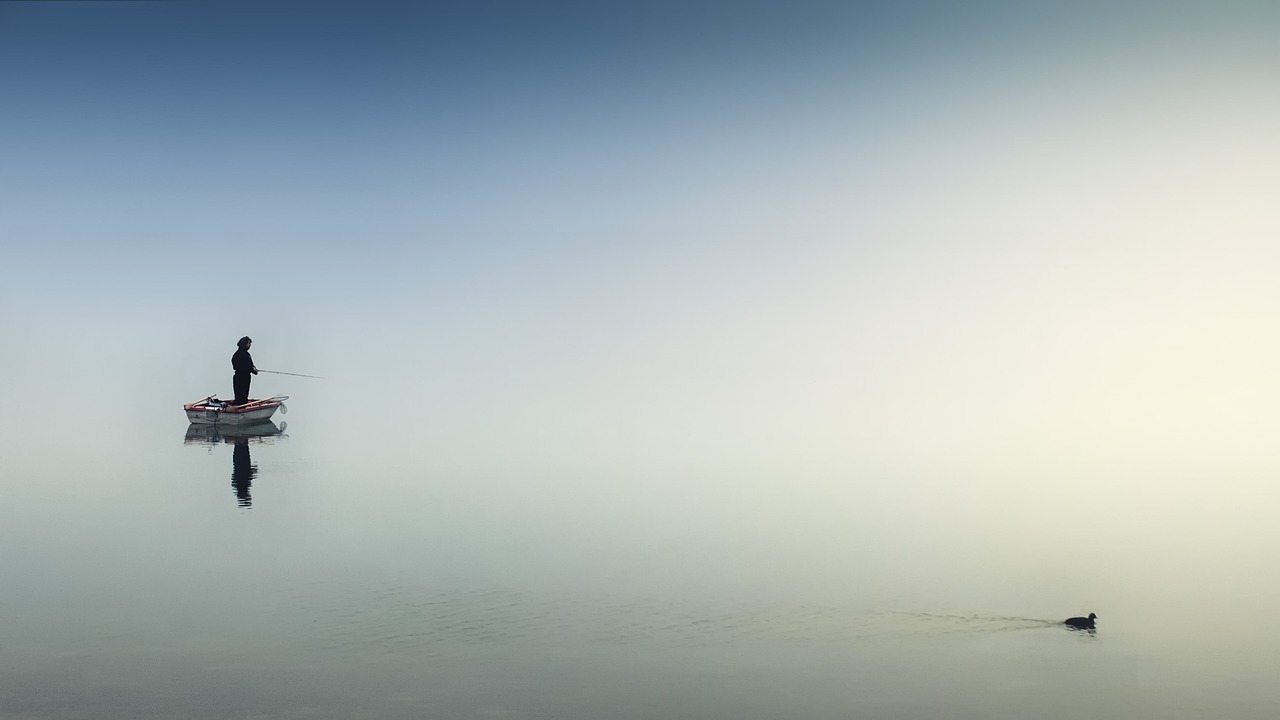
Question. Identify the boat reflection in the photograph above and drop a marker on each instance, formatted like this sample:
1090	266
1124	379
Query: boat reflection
243	471
211	435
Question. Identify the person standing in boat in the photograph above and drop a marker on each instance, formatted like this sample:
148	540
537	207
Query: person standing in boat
242	362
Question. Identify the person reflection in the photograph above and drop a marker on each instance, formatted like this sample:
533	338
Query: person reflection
243	471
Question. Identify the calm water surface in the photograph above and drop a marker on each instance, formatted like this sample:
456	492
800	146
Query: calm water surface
367	568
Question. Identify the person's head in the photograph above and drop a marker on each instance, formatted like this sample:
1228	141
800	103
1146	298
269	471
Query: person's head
245	342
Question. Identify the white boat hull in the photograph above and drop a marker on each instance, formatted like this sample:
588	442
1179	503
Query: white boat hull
214	412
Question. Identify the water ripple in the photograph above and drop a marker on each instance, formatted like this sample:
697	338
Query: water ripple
397	619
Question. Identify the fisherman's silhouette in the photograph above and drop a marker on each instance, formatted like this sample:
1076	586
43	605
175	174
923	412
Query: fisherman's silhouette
243	471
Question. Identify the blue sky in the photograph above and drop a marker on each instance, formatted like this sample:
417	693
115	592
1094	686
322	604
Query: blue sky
799	220
324	125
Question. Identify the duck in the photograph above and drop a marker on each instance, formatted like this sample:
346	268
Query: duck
1083	623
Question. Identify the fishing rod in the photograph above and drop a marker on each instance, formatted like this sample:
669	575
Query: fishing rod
277	372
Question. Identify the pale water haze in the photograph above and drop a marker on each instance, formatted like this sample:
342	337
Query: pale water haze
710	360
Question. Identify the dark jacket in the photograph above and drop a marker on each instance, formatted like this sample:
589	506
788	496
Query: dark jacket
242	362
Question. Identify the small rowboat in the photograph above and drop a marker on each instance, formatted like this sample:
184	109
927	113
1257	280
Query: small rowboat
212	411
